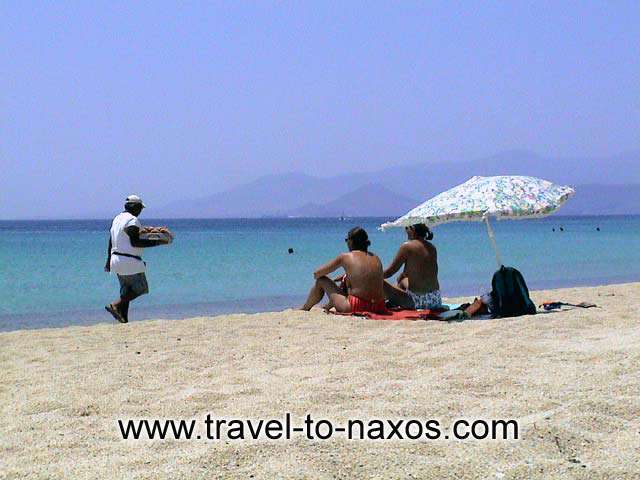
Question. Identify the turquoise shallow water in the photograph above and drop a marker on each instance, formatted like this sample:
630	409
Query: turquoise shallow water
51	271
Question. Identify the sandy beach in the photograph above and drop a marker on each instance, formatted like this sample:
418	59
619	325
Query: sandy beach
571	379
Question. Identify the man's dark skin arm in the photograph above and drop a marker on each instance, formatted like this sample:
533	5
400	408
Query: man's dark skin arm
136	241
329	267
107	266
398	261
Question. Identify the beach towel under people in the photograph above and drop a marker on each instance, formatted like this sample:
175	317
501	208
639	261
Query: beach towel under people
396	314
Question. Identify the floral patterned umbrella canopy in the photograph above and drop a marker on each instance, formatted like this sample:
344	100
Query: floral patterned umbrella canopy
513	197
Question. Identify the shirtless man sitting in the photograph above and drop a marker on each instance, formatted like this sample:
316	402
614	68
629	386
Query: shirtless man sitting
363	279
418	286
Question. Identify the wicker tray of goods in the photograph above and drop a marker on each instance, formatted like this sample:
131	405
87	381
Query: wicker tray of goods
156	233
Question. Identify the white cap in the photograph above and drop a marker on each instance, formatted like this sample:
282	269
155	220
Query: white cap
135	200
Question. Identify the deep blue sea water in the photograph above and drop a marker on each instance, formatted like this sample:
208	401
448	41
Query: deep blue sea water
51	272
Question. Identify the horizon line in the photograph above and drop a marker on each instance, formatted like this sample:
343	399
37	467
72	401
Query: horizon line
280	217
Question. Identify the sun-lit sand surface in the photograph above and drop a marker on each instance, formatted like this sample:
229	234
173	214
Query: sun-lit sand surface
571	378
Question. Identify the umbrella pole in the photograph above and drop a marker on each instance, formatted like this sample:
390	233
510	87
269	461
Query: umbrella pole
493	240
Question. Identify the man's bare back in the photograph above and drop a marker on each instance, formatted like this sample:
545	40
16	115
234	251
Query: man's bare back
420	267
363	278
418	285
364	275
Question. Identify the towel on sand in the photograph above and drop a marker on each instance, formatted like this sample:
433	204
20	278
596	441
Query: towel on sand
398	314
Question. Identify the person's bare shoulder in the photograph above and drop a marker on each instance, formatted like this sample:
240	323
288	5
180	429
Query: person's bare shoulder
404	247
412	246
356	256
346	257
343	257
353	260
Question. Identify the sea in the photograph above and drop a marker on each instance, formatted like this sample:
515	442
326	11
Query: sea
51	272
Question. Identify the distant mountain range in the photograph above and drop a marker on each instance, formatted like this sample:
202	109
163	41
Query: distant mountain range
598	199
372	200
603	185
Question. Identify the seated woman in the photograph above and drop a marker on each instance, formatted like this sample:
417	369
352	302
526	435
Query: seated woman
418	286
363	282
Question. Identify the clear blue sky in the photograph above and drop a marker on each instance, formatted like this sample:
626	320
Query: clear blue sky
98	100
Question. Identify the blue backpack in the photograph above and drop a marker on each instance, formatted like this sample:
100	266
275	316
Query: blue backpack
509	294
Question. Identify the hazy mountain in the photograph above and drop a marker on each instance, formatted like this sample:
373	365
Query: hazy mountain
603	200
369	200
269	195
378	201
295	192
426	180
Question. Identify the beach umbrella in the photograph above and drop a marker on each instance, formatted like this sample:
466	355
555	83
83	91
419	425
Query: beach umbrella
477	199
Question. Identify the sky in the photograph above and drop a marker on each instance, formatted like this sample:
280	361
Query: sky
176	100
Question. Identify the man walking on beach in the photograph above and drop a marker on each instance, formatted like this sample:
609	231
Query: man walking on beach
418	286
124	257
363	279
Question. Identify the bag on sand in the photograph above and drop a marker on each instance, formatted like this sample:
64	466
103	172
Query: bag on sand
509	294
